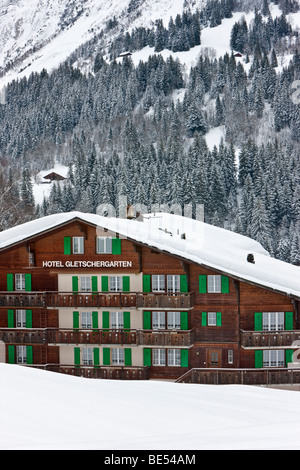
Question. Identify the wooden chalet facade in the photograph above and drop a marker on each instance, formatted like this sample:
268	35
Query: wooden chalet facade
78	298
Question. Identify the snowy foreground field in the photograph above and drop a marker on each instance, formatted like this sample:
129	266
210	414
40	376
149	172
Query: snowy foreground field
44	410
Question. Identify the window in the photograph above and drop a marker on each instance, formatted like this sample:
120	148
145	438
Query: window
211	318
85	284
174	320
174	357
104	245
117	320
159	357
273	321
78	245
86	320
21	318
213	283
21	354
158	320
230	356
158	283
87	356
115	284
273	358
20	281
173	283
117	356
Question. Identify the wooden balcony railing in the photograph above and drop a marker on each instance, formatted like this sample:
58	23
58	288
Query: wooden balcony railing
97	336
98	372
265	376
268	339
97	300
166	300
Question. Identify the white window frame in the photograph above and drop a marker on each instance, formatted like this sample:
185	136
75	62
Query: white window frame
158	357
21	351
211	318
116	320
214	283
230	356
158	320
104	245
117	356
174	357
86	320
85	284
20	281
20	318
87	356
78	245
173	320
173	283
115	283
273	358
158	283
273	321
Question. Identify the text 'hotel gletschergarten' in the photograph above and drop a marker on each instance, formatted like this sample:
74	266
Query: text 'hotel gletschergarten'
158	297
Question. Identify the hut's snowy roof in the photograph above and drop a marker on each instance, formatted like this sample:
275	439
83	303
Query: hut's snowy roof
190	239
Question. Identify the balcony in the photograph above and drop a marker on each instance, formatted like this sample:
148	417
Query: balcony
56	336
178	301
99	372
268	339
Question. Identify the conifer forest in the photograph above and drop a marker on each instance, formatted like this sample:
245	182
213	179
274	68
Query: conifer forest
139	130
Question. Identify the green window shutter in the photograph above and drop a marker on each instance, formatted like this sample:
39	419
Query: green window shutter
75	283
67	245
94	284
184	321
147	357
105	320
202	284
104	283
116	246
204	319
224	285
147	320
258	359
289	321
127	357
126	283
28	318
10	319
146	283
184	358
96	357
126	320
219	319
77	356
183	283
10	282
258	324
11	354
289	356
28	282
29	353
95	319
75	319
106	356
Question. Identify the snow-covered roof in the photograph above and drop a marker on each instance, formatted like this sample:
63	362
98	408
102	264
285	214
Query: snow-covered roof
190	239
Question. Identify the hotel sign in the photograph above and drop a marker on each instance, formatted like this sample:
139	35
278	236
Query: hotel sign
87	264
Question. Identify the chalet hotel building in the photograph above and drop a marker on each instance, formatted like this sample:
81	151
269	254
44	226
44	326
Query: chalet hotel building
163	297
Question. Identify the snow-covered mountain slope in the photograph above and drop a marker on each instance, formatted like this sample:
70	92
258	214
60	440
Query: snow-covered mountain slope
37	34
